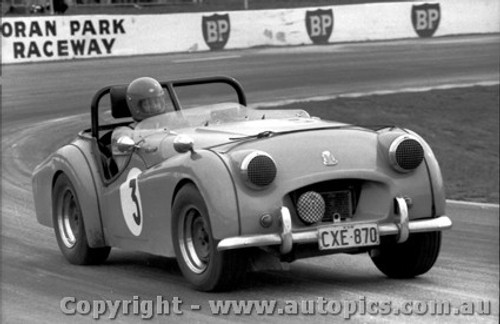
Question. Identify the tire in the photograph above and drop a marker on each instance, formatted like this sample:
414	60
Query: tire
69	227
414	257
195	248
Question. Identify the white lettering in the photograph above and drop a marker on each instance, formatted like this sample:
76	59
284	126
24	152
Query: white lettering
212	34
315	23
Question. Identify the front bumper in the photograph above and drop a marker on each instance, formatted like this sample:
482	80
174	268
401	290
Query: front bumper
402	228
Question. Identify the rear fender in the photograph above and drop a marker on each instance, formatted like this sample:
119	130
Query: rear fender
71	161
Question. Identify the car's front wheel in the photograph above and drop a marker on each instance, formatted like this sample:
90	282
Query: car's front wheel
69	227
414	257
201	264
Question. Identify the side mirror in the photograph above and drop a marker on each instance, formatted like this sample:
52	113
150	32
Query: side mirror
125	144
183	144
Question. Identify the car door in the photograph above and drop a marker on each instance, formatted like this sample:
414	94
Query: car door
122	209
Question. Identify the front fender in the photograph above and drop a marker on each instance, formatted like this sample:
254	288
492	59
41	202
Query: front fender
212	178
71	161
435	178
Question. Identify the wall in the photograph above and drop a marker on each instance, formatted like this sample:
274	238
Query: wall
32	39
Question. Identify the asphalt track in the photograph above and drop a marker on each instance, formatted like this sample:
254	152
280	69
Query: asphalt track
44	104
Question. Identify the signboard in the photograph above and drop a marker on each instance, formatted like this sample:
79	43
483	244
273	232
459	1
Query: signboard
50	38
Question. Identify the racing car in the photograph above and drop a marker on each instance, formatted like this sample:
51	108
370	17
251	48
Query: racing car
226	188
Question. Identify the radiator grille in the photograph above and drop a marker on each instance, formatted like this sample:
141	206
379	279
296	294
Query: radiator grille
337	202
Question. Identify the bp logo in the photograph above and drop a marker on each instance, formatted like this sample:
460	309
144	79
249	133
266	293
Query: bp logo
216	29
425	18
130	199
319	25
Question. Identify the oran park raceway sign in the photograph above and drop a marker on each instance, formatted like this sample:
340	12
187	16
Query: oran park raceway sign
58	38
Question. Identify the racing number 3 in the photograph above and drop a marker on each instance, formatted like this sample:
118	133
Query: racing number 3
130	200
133	186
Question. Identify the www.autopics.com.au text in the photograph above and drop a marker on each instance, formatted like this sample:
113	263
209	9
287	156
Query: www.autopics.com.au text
162	306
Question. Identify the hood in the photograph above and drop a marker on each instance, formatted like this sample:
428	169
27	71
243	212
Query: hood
300	137
352	150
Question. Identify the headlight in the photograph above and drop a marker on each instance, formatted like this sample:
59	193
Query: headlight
406	153
258	169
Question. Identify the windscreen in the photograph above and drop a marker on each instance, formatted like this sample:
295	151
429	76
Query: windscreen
222	113
205	94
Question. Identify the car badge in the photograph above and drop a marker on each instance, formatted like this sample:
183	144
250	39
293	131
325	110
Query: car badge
328	158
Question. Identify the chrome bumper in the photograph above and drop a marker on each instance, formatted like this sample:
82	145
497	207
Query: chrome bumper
402	228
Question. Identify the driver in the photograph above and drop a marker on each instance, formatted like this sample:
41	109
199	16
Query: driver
145	98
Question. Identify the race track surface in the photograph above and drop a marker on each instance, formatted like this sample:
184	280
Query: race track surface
44	104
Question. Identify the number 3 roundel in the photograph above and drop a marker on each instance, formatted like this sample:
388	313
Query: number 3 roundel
130	199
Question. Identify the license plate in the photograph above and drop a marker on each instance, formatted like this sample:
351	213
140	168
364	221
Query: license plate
347	236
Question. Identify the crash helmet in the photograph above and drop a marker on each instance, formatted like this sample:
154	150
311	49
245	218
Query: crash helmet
145	98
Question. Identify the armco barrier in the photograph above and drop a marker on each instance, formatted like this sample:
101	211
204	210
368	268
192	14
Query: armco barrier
32	39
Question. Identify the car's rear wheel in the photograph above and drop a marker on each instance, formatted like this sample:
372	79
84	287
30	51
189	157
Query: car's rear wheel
414	257
201	264
69	227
